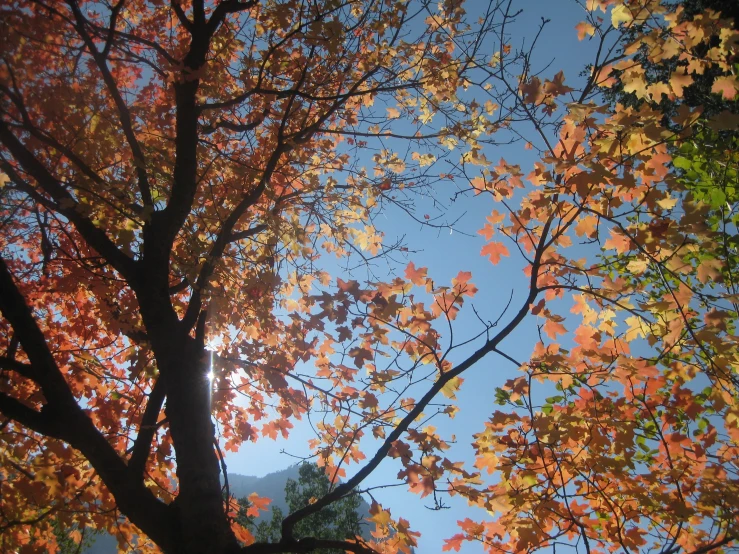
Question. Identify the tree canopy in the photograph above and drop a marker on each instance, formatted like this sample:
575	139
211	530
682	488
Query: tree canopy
175	176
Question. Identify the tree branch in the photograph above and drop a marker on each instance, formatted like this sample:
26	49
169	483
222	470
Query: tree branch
66	205
246	233
26	370
288	524
124	114
40	422
62	418
225	236
179	12
114	12
225	8
44	369
147	429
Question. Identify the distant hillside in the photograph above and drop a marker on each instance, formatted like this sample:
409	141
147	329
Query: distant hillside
270	486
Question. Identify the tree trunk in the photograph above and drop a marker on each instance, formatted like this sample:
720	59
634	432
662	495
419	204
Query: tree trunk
204	527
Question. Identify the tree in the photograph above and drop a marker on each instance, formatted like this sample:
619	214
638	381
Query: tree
339	521
171	175
634	447
172	171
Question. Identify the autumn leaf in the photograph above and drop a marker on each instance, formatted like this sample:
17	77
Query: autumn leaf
494	251
360	355
487	461
453	543
257	504
532	91
621	14
499	503
618	241
378	515
553	328
728	87
451	387
584	29
587	226
556	86
415	276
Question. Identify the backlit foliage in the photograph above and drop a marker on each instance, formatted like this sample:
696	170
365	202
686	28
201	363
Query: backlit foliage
175	176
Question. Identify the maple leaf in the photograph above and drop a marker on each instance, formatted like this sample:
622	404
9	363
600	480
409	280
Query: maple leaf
393	113
728	87
553	328
618	241
500	503
378	515
257	504
532	91
418	479
451	387
487	461
709	270
462	278
584	29
621	14
414	275
556	86
587	226
494	251
453	543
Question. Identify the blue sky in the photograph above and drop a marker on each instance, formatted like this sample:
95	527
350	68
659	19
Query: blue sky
445	254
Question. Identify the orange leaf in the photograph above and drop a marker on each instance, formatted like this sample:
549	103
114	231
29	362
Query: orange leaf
584	29
619	242
455	543
417	276
553	328
494	250
487	461
726	86
257	504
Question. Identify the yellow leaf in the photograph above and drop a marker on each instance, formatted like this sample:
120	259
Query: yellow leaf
637	266
499	504
667	203
451	387
621	14
423	159
379	516
636	328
